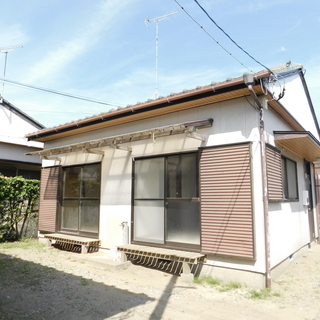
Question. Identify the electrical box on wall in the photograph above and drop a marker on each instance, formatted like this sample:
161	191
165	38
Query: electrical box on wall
305	197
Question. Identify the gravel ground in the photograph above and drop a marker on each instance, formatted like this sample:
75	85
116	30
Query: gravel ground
46	284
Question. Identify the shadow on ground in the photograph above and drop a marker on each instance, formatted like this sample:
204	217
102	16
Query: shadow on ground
32	291
167	266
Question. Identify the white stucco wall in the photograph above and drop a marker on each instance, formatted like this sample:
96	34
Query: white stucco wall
11	125
295	100
289	222
14	145
16	152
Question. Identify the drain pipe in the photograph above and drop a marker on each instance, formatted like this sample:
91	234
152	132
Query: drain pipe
249	81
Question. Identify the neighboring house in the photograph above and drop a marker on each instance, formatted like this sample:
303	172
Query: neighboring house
226	170
14	125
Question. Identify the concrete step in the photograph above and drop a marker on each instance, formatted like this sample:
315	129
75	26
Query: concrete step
103	260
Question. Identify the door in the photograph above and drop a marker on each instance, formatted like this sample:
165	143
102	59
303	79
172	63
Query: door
166	202
182	202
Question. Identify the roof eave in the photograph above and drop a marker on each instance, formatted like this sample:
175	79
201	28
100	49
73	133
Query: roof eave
51	133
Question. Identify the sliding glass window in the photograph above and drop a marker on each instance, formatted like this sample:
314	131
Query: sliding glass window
81	200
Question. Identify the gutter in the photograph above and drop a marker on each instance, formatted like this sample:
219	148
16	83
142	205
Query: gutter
138	108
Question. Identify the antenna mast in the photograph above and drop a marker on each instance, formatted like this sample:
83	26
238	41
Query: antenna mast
6	50
156	20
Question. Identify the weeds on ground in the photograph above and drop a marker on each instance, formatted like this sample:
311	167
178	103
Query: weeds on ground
23	268
215	282
23	244
230	286
233	285
207	280
263	294
84	282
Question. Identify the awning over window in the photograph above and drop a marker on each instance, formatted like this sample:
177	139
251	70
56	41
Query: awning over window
302	143
189	128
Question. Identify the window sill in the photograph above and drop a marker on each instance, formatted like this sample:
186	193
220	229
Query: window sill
283	200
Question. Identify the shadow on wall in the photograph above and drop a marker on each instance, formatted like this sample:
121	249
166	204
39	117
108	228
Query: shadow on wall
32	291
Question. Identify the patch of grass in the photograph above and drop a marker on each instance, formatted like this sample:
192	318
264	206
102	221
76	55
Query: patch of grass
260	294
208	280
23	244
215	282
230	286
23	268
84	282
263	294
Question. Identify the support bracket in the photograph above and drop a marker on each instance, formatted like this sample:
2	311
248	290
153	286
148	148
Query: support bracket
124	148
51	158
100	152
196	135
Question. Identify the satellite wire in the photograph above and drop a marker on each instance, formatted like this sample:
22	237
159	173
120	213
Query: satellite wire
211	36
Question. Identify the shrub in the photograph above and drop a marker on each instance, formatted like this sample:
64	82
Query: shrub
18	202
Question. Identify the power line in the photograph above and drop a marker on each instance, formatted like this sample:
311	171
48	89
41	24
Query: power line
231	38
51	111
60	93
211	36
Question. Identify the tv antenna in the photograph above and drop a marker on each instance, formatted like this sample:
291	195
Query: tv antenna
156	20
6	50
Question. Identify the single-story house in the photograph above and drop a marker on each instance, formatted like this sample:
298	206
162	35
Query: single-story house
225	172
14	125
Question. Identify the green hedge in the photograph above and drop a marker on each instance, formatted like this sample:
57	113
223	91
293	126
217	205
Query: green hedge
18	202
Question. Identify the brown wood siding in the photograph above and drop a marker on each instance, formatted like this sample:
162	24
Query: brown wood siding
226	201
48	199
274	177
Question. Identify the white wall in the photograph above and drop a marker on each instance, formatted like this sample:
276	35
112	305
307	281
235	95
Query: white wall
289	222
295	101
11	125
17	153
12	138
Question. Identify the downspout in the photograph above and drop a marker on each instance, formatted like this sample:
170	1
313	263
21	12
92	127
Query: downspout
249	80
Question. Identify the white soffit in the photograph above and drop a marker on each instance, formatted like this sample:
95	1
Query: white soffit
190	128
301	143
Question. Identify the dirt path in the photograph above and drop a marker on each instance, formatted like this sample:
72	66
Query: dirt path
40	283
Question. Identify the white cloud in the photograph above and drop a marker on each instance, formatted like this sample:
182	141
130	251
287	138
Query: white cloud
55	61
283	49
13	35
254	6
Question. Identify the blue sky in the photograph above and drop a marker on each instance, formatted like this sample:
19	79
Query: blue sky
103	50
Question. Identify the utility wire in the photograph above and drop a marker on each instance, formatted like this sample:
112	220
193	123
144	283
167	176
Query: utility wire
60	93
51	111
212	36
231	38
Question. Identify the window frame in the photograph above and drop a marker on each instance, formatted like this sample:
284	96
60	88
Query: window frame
285	181
166	198
80	198
277	182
